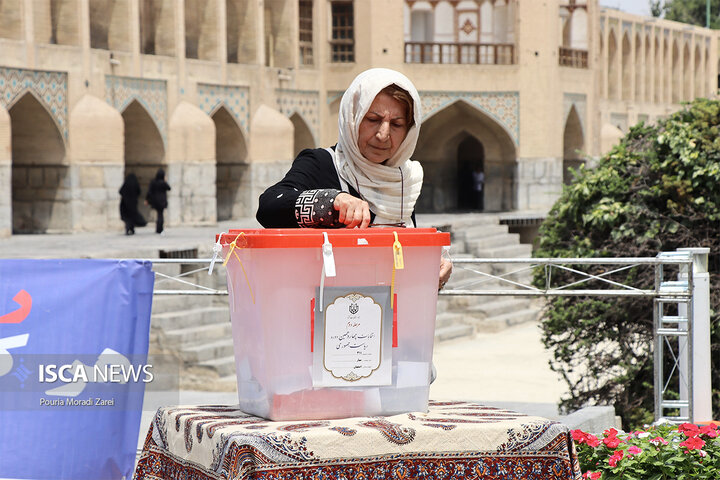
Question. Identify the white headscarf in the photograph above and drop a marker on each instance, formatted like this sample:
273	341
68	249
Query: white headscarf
392	188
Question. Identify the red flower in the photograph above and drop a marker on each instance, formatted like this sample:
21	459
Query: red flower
693	443
615	458
709	430
658	440
592	440
612	442
633	450
689	429
610	432
578	436
592	475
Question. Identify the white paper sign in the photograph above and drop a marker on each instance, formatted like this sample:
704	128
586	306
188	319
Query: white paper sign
353	338
353	328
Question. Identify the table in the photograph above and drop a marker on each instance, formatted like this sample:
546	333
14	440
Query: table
453	440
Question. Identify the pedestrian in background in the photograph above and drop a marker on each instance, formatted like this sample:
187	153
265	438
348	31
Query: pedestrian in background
157	197
479	182
129	214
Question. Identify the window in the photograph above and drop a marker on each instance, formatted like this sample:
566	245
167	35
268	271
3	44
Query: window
343	34
306	33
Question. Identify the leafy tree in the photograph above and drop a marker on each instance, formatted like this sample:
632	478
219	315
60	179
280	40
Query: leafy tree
657	190
687	11
656	8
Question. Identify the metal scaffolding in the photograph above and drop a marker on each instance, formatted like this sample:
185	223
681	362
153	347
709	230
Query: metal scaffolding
680	313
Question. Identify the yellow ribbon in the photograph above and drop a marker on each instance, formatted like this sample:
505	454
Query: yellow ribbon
398	264
232	251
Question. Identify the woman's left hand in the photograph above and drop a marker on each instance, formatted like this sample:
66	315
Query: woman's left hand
445	272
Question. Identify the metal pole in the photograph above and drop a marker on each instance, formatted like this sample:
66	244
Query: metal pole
699	327
707	14
658	347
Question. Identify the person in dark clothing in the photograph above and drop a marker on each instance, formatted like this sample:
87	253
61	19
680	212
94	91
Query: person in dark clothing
129	214
157	197
368	178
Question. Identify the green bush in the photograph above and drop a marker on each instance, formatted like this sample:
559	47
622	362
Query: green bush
657	190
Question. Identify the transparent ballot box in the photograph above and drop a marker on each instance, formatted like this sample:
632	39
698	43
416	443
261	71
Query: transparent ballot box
332	323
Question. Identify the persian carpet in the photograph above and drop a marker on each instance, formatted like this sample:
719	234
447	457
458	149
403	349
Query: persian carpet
453	440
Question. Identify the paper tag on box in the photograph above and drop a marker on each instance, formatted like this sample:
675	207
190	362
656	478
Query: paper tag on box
353	337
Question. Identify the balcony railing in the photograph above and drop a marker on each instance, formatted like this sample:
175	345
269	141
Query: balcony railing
571	57
470	53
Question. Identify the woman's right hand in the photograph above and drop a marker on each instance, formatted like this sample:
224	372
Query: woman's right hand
353	212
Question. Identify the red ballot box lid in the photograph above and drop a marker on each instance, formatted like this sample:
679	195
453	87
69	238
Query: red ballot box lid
314	238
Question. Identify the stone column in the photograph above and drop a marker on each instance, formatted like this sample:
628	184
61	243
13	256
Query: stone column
134	24
97	146
191	167
270	154
222	39
29	23
539	182
539	174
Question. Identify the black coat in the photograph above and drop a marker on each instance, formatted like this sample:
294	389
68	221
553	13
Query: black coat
157	192
311	169
129	194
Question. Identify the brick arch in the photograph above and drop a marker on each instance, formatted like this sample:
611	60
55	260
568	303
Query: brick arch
303	103
502	107
48	88
700	73
627	66
40	195
640	68
200	29
437	149
36	137
120	92
109	24
675	83
612	49
650	67
56	22
686	78
232	172
658	97
303	137
144	146
573	143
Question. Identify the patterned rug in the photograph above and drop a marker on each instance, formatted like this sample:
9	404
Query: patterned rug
453	440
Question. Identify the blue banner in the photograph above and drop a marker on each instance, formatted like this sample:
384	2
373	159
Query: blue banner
73	350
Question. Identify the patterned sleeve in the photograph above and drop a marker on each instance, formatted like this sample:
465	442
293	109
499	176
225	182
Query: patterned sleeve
314	209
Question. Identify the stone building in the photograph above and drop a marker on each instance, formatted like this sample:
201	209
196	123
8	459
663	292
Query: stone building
223	93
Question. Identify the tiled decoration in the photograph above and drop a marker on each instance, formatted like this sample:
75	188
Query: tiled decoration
503	107
49	88
235	99
579	101
304	103
151	94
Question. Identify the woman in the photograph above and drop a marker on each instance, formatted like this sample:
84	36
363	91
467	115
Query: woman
367	179
157	197
129	214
